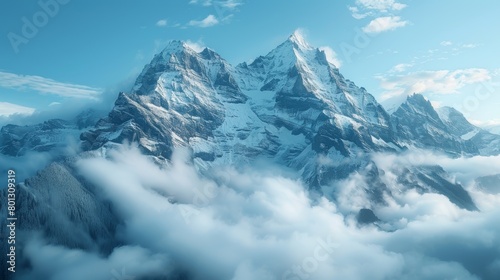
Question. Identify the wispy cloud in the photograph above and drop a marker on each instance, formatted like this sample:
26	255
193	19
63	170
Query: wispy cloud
382	24
161	23
446	49
223	12
400	67
209	21
436	82
458	45
382	13
381	5
7	109
331	56
202	2
229	4
446	43
47	86
365	8
357	14
198	46
486	124
470	46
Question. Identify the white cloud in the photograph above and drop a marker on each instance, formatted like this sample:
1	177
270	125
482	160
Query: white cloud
209	21
380	5
446	43
231	4
7	109
365	8
383	10
202	2
487	123
401	67
437	82
382	24
161	23
255	224
436	104
226	4
464	169
470	46
47	86
331	56
224	12
492	125
197	46
357	14
127	262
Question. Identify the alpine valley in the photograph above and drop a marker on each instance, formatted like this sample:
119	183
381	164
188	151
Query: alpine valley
290	109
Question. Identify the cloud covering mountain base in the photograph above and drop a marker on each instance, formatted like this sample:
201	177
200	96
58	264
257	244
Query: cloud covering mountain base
261	223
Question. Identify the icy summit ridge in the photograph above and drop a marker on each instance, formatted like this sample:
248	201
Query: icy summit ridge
298	39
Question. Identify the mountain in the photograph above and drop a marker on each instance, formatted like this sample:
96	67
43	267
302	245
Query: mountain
291	107
293	87
178	96
489	184
495	129
62	205
418	124
49	136
288	106
487	143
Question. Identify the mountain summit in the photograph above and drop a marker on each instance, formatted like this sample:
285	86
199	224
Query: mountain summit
283	106
298	39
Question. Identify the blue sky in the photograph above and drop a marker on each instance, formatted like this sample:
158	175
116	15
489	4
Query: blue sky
76	50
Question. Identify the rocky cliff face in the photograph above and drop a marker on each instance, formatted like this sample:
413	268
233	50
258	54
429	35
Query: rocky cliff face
49	136
487	143
417	123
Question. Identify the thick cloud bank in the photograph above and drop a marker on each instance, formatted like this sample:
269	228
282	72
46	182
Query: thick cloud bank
255	224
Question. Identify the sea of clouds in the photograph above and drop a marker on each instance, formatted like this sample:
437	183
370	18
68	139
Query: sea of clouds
261	223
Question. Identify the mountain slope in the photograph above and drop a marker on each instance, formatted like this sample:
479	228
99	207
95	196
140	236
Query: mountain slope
308	88
49	136
172	100
418	124
487	143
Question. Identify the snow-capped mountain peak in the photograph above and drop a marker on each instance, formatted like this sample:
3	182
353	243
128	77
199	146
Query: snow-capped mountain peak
444	129
486	141
304	79
298	40
175	46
